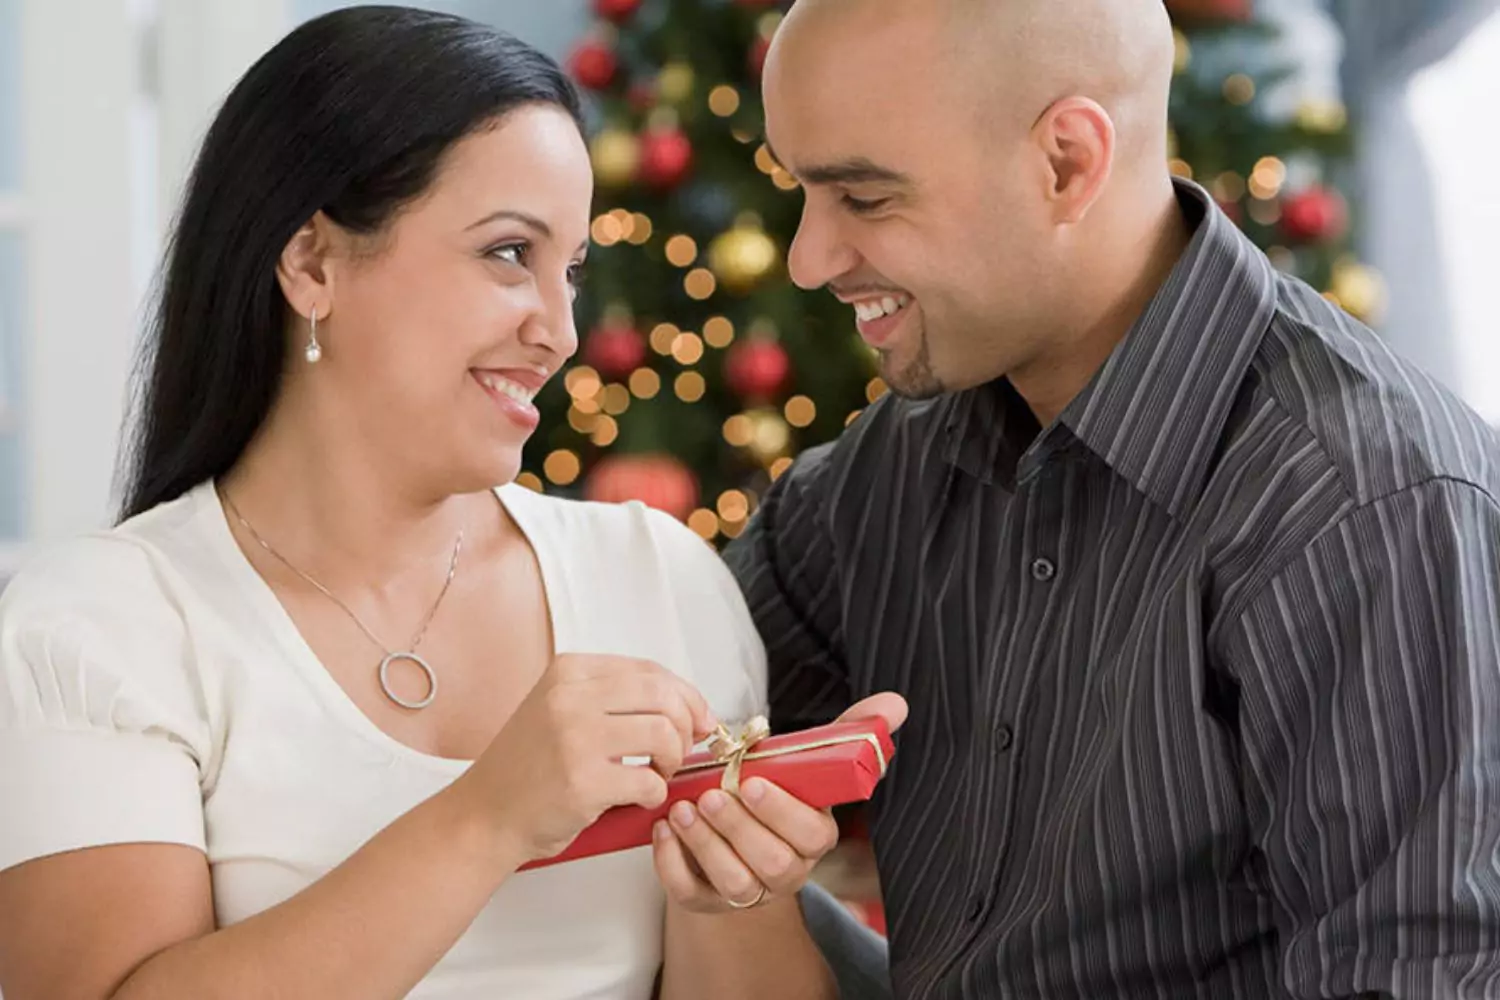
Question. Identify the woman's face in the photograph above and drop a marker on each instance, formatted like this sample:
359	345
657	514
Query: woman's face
441	331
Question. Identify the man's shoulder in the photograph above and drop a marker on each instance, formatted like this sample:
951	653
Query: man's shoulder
892	442
1379	423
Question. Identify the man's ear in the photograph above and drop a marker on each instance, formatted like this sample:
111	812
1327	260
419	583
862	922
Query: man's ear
304	268
1077	137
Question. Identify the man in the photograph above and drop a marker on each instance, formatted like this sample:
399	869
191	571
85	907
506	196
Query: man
1193	589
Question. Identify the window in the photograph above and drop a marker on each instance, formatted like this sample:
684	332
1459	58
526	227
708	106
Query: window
12	276
1452	105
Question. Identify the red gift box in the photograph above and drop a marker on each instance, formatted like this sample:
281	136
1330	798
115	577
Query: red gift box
825	766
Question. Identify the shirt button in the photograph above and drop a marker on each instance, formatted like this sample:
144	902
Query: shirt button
975	909
1004	737
1042	569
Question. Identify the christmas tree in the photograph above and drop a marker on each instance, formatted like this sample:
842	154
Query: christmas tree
702	371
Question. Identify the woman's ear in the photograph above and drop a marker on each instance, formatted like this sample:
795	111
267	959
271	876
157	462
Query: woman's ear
305	270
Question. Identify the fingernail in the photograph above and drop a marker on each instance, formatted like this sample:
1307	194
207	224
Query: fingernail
753	790
712	801
682	815
660	830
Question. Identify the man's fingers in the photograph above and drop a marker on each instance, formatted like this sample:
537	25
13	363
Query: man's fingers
887	704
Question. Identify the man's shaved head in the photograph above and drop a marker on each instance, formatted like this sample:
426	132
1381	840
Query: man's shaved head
1023	135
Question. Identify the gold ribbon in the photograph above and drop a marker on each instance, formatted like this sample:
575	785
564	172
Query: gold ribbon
731	750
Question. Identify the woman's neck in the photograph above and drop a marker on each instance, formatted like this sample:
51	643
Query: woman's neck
333	507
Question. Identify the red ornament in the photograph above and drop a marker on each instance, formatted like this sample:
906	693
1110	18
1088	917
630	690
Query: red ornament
642	96
594	65
666	157
1315	215
759	49
757	369
614	349
1211	10
616	10
659	481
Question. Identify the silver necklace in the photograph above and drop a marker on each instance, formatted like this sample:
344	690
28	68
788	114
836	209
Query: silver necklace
391	655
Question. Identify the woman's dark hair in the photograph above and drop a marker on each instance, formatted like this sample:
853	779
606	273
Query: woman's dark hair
350	114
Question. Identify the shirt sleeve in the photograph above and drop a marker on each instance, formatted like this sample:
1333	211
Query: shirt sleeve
1369	673
97	745
786	566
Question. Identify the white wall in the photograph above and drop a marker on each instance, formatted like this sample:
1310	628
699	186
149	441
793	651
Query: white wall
1454	105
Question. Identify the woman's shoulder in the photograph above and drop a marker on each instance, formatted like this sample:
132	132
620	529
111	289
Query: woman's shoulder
617	529
129	573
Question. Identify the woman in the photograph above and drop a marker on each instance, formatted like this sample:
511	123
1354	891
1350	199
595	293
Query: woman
292	727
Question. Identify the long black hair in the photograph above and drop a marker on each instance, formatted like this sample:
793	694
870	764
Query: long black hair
349	114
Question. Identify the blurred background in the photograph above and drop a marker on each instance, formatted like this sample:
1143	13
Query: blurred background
1356	141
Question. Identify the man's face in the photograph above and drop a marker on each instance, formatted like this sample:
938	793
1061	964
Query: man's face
921	212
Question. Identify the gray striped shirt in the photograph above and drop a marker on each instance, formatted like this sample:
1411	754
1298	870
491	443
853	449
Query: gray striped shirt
1204	678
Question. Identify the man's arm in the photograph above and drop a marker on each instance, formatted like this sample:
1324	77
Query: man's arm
1369	672
786	567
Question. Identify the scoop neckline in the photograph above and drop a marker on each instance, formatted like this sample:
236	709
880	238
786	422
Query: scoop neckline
273	615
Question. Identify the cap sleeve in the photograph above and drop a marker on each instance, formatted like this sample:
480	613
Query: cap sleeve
99	740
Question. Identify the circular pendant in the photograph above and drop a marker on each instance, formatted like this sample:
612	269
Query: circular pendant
385	680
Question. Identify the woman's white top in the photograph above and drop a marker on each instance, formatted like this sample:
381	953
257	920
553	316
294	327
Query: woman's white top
153	689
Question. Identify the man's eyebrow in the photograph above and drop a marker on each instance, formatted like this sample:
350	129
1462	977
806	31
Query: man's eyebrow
854	170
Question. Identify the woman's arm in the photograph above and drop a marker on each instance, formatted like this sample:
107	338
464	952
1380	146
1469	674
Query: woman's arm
136	921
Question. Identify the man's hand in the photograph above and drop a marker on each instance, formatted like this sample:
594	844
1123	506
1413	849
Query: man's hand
730	853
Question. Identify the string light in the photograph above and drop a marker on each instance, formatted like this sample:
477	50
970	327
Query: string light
1267	178
723	100
783	180
732	529
1267	213
719	332
742	136
1229	186
690	387
875	389
853	416
764	161
682	250
640	229
588	407
705	522
582	382
779	467
531	481
582	422
606	230
739	431
616	399
1180	168
699	283
733	506
605	432
562	467
801	411
687	348
645	383
663	335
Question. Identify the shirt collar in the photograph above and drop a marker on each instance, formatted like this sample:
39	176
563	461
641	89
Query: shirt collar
1156	409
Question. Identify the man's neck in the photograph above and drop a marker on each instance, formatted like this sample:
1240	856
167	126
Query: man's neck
1121	282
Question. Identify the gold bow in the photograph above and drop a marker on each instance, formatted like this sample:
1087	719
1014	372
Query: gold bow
729	749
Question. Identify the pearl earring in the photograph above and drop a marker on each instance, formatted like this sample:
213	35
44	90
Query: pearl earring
313	353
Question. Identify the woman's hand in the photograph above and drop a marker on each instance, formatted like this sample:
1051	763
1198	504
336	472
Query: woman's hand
556	765
733	853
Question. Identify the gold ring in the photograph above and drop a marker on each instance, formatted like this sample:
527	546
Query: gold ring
759	898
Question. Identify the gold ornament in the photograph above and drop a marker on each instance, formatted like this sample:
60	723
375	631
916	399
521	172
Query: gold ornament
744	256
615	154
769	435
674	84
1360	290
